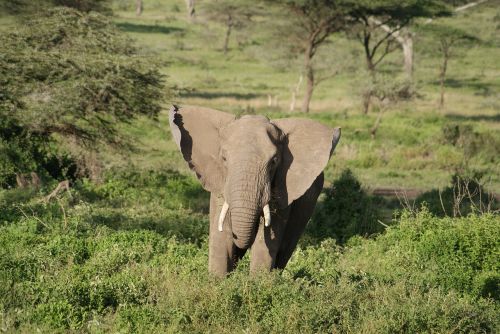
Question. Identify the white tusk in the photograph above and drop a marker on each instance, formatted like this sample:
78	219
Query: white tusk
267	216
222	216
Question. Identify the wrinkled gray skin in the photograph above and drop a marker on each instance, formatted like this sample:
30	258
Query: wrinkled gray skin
250	162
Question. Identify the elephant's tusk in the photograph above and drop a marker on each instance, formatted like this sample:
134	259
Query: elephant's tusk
267	216
222	216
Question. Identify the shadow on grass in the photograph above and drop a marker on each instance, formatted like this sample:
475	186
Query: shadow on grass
147	28
488	118
482	88
185	227
217	95
346	210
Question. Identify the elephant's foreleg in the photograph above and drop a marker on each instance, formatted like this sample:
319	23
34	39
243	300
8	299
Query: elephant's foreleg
221	253
267	242
300	213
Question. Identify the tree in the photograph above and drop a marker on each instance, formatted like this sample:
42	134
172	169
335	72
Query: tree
138	7
67	81
190	9
235	14
380	24
29	6
444	38
310	23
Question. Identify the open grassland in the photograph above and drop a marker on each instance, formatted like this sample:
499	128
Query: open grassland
410	150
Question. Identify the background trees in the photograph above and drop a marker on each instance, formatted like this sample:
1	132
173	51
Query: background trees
381	29
442	39
234	14
310	23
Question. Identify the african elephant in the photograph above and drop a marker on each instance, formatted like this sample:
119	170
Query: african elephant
264	177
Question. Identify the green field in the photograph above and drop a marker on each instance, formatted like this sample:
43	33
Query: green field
409	151
130	254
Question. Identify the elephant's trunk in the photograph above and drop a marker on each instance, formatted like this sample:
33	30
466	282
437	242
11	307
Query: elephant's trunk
244	218
247	194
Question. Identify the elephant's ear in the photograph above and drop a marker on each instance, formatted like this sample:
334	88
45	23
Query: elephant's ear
305	154
196	132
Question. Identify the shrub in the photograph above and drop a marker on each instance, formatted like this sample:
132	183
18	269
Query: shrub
28	6
458	254
68	81
424	274
470	141
464	195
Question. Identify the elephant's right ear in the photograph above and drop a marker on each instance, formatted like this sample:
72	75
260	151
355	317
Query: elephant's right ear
196	132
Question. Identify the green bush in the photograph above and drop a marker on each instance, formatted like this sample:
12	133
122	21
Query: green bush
27	6
67	82
58	272
459	254
470	141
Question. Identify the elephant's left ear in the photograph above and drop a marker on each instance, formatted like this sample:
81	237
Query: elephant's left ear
195	130
309	147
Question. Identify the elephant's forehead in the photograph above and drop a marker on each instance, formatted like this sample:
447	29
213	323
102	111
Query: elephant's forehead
250	128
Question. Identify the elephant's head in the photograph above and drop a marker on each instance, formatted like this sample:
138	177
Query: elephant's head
252	161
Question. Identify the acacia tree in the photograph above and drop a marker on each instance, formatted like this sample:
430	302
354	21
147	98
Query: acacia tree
67	81
234	14
190	9
30	6
311	22
444	38
380	24
138	7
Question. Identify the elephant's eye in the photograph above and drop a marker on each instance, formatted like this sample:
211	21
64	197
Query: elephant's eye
274	160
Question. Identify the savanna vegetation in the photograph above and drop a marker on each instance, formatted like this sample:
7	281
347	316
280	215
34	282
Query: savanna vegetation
104	229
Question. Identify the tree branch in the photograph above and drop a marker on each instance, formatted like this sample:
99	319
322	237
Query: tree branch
469	5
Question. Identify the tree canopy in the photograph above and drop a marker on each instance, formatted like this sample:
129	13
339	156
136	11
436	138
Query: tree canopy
71	77
29	6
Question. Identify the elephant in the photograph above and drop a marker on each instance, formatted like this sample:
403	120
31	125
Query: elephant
264	177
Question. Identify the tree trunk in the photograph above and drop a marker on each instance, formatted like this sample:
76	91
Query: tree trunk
190	9
228	34
309	89
309	71
295	91
368	94
21	181
367	101
442	77
373	130
138	7
407	46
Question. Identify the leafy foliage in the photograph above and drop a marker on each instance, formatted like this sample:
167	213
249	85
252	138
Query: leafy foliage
71	78
28	6
453	254
80	271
